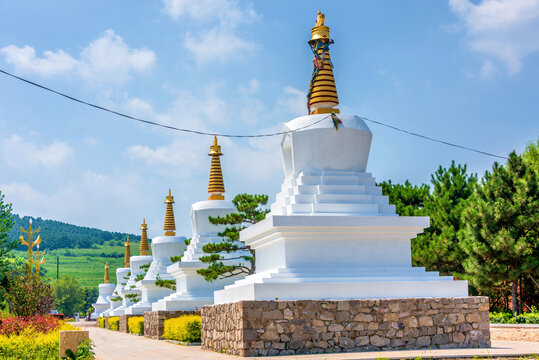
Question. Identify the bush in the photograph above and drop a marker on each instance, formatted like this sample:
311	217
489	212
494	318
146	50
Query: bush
184	328
114	323
136	325
32	344
15	325
28	295
101	322
531	317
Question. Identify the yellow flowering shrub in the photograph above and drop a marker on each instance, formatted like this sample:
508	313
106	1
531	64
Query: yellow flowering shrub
114	323
32	345
135	325
185	328
101	322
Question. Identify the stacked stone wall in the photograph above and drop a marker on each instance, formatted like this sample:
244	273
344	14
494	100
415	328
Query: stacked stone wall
261	328
154	321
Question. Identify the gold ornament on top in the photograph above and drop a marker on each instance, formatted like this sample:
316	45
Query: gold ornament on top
170	224
107	277
144	248
323	96
216	186
30	243
127	256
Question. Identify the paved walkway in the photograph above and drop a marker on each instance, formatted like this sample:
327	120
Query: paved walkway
112	345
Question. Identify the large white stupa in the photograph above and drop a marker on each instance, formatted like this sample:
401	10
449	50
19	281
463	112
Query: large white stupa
331	234
163	248
105	292
129	292
192	290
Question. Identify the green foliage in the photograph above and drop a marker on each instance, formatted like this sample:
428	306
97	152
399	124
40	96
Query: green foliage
91	295
58	235
116	298
101	322
70	296
185	328
135	325
6	243
187	241
169	284
133	297
27	294
531	317
222	260
84	352
114	323
174	259
438	247
501	234
409	200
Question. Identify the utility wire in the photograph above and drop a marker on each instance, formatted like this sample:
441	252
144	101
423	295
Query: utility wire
236	135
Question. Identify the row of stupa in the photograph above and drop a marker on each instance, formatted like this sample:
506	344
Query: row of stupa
330	234
136	290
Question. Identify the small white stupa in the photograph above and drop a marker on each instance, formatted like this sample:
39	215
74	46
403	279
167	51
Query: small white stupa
144	259
122	275
192	290
331	234
105	292
163	248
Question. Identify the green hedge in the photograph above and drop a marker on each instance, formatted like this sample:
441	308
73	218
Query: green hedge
101	322
508	318
136	325
185	328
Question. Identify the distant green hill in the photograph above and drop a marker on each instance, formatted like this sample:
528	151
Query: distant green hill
58	235
81	251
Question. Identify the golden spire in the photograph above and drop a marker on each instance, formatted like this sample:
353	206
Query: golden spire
322	94
127	256
170	225
107	278
216	187
144	249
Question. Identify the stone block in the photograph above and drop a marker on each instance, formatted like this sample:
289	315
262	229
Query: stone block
70	339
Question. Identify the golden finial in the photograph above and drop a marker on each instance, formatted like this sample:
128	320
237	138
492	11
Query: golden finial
322	94
30	243
107	278
144	249
216	186
170	225
127	257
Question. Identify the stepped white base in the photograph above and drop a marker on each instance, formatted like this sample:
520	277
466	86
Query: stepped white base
103	303
150	294
336	257
192	291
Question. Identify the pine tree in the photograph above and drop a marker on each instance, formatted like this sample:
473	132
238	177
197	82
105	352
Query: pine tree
6	243
437	248
225	258
409	200
501	230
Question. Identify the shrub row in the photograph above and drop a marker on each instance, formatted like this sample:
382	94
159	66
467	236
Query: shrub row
114	323
31	344
135	325
185	328
508	318
10	325
101	322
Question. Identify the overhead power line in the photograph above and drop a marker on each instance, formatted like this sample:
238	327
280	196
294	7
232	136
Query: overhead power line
237	135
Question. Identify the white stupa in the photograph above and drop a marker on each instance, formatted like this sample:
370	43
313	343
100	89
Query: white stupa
192	290
105	292
163	248
331	234
135	264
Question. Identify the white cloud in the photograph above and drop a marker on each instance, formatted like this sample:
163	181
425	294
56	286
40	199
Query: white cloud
293	101
106	60
502	30
19	153
220	43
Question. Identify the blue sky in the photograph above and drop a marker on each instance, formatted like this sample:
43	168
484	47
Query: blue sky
462	71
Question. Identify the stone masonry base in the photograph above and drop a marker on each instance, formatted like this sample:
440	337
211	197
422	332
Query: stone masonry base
154	321
261	328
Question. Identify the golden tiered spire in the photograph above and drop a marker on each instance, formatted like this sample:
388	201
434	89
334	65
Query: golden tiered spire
144	249
127	257
107	278
216	187
322	94
170	225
